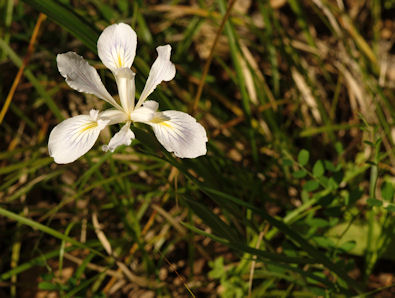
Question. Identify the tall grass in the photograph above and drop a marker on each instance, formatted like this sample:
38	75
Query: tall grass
294	198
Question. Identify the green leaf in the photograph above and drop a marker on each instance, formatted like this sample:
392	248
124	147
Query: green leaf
332	183
303	157
318	168
287	162
323	241
317	222
330	166
348	245
218	268
390	208
368	143
311	185
387	191
374	202
299	174
47	276
48	286
339	147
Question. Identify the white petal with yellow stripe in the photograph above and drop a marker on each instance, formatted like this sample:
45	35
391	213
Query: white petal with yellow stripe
73	137
177	131
116	46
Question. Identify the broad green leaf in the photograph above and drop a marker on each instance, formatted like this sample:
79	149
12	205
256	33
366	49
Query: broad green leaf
318	169
303	157
387	191
311	185
390	208
317	222
330	166
339	147
348	245
374	202
287	162
324	241
48	286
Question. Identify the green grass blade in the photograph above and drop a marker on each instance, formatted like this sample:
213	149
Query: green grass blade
30	76
69	20
35	225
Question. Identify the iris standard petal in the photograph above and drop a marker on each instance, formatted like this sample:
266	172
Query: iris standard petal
82	77
117	46
162	70
75	136
126	87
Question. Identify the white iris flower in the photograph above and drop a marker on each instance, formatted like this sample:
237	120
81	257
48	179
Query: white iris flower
178	132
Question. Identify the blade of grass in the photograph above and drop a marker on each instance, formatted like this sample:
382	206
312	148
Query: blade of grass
211	55
69	20
266	11
7	24
235	54
37	226
29	75
38	261
25	61
270	258
311	250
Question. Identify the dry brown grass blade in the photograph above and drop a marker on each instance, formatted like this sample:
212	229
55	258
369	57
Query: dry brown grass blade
347	24
307	94
253	263
25	61
249	57
355	90
184	281
92	266
121	266
210	58
237	120
133	249
100	235
184	10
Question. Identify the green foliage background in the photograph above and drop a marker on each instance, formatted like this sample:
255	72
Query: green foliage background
294	198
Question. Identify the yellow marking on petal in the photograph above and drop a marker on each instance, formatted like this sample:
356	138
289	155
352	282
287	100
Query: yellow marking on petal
165	124
161	121
119	60
88	126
